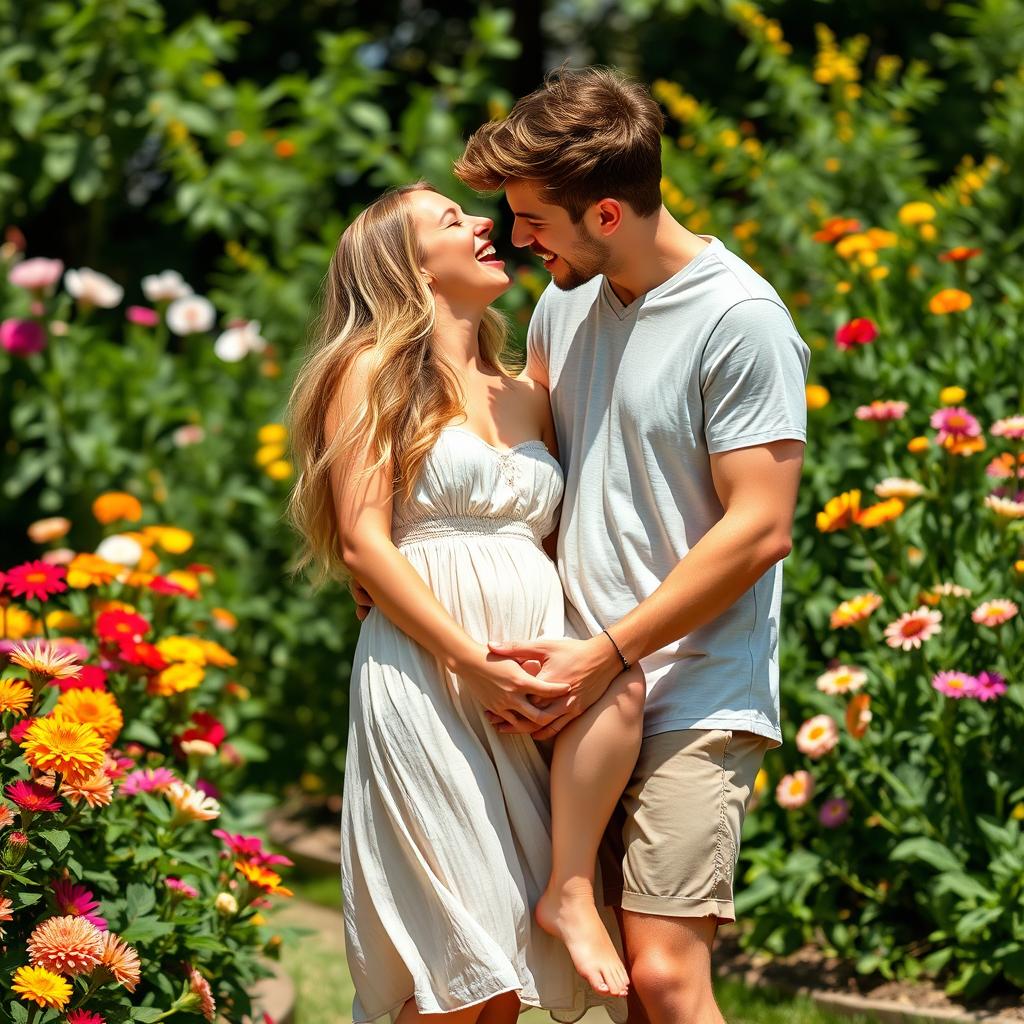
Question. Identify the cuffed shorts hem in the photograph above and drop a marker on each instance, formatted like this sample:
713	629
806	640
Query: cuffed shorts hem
671	906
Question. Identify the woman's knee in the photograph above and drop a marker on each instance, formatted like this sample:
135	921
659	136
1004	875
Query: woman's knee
630	692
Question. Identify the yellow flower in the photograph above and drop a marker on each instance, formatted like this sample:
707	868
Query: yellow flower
883	512
74	749
817	396
760	781
15	696
855	610
269	453
833	165
279	470
843	287
730	138
916	213
44	659
187	580
918	445
879	273
171	538
42	987
867	258
177	679
224	619
91	571
97	708
272	433
928	232
114	505
62	621
16	623
953	395
949	300
217	655
182	648
1018	566
850	245
839	512
1018	813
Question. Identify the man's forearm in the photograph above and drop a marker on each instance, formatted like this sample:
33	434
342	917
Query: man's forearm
710	578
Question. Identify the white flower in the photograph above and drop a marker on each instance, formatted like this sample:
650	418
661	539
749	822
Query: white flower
898	487
190	804
226	904
91	288
120	550
844	679
191	314
190	433
237	342
165	287
198	748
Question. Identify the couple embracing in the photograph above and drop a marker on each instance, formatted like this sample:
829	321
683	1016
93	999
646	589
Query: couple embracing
568	674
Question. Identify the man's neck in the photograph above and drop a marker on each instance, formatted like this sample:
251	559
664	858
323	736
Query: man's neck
658	248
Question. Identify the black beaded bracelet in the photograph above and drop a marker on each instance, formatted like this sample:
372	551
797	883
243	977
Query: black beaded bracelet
625	664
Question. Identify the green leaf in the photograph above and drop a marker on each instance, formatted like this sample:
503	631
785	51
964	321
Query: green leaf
141	733
146	1014
145	929
140	900
19	1013
929	851
56	837
963	885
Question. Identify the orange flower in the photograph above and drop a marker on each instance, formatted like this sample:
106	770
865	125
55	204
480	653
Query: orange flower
115	505
71	748
97	708
15	696
43	987
91	571
918	445
958	254
171	538
858	715
882	512
839	512
949	300
96	791
285	148
120	961
855	610
66	945
958	444
235	138
836	227
263	879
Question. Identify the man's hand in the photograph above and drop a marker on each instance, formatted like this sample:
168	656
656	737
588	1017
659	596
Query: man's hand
510	693
362	599
588	666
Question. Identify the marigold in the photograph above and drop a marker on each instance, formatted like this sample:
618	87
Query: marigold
97	708
74	749
839	512
958	254
272	433
835	228
916	445
914	213
42	987
817	396
176	678
263	879
854	610
949	300
16	623
182	648
952	395
216	654
958	445
120	961
96	791
66	945
116	505
87	570
172	539
883	512
15	697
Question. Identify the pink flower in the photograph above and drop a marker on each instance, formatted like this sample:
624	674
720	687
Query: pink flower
882	410
190	433
861	331
32	797
794	790
176	885
84	1017
955	684
201	988
76	901
817	736
954	422
994	613
991	686
911	629
250	848
22	337
834	812
1011	426
142	315
148	780
90	677
36	275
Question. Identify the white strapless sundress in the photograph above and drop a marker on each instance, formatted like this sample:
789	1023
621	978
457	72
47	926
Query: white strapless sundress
445	832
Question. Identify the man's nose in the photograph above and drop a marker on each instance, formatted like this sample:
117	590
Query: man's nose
521	235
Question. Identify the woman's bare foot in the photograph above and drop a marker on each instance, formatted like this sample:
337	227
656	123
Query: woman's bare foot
569	913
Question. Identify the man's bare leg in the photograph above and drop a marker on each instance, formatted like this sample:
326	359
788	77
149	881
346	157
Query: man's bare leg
670	968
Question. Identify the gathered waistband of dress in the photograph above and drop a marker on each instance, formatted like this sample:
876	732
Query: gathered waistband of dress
463	526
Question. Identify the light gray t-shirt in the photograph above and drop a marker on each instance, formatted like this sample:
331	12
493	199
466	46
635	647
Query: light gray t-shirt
642	395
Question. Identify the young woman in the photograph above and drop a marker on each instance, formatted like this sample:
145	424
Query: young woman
429	472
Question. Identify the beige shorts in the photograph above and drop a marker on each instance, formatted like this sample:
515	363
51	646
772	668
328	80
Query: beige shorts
671	846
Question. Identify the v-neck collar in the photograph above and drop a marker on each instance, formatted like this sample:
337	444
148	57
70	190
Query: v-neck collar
624	312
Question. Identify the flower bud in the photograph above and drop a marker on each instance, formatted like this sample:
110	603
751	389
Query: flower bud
15	849
226	904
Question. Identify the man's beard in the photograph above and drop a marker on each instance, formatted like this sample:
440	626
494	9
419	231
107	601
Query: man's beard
590	258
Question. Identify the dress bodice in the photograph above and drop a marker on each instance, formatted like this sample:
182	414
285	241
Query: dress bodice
468	486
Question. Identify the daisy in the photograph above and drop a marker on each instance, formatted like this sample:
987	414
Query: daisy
858	715
74	749
98	708
201	989
165	287
84	1017
36	580
994	613
32	797
37	275
911	629
855	610
250	848
882	410
41	986
15	697
955	684
148	780
263	879
834	812
119	961
794	790
954	421
1011	426
817	736
91	288
66	945
1008	508
839	512
883	512
898	487
843	679
191	314
75	900
182	889
991	685
43	659
96	791
190	804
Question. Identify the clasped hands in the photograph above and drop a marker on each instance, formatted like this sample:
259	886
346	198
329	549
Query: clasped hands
537	687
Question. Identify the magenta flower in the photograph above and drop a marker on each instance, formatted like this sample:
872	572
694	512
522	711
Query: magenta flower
991	686
251	848
148	780
834	812
183	889
76	900
955	684
142	315
35	580
882	409
84	1017
30	796
954	422
36	275
22	337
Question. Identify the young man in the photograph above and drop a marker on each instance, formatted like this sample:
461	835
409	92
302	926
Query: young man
677	379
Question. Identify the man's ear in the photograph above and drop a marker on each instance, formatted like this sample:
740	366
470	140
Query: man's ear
607	214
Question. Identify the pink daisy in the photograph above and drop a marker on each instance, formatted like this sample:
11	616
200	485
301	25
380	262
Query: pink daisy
201	988
148	780
954	422
76	901
183	888
991	686
911	629
955	684
36	580
794	790
32	797
882	410
817	736
994	613
1011	426
834	812
84	1017
251	848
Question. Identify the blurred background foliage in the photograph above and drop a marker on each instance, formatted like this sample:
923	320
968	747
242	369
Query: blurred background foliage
233	140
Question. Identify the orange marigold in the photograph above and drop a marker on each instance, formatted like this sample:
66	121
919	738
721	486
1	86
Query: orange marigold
15	696
116	505
97	708
263	879
74	749
949	300
839	512
882	512
855	610
42	987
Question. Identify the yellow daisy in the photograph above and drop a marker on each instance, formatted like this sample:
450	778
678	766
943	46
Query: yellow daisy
42	987
74	749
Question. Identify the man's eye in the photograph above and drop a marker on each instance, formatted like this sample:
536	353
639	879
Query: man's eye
455	224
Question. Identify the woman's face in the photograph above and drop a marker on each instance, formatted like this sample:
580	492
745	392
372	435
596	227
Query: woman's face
459	258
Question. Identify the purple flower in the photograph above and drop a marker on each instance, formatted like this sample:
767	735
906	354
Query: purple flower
834	812
991	685
22	337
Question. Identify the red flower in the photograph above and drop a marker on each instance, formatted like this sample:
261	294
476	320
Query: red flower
118	625
30	796
18	730
958	254
142	653
205	727
90	677
162	585
37	580
857	332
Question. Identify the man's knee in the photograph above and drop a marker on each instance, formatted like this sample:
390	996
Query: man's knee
674	986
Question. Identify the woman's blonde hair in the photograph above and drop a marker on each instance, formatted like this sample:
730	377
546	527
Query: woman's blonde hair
374	299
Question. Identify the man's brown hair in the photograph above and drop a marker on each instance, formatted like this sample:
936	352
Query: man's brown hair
583	136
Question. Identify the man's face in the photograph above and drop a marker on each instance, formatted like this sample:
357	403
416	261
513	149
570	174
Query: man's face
570	253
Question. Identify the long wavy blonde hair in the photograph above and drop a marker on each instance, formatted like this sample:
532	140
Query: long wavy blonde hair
373	298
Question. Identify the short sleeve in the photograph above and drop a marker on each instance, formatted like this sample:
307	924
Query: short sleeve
753	378
537	343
